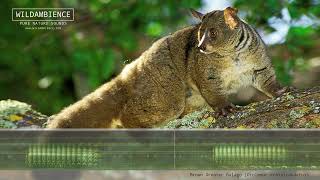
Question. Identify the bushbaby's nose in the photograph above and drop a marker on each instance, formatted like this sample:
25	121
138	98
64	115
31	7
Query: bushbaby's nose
202	47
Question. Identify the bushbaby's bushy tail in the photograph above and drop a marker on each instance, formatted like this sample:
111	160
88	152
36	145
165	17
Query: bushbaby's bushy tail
96	110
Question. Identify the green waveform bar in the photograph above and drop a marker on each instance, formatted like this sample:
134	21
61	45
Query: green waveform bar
62	156
265	156
160	150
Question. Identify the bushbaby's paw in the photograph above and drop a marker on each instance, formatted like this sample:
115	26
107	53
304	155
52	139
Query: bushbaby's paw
224	111
284	90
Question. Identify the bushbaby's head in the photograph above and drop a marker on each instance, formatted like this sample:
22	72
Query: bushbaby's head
218	30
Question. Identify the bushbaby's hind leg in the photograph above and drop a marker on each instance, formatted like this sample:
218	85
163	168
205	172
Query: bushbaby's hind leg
151	109
148	116
265	81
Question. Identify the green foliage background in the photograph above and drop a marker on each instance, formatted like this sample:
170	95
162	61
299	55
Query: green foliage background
109	33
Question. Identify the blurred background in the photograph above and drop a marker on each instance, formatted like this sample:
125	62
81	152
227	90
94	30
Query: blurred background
50	69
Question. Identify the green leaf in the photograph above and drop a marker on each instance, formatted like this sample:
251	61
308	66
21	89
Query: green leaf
154	29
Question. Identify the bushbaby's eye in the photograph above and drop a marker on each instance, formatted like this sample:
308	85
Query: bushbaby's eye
213	33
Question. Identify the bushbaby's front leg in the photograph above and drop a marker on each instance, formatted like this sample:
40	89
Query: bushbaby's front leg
209	85
265	81
217	99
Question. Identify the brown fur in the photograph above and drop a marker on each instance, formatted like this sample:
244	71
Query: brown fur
173	78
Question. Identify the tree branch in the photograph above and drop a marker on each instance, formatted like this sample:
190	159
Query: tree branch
296	109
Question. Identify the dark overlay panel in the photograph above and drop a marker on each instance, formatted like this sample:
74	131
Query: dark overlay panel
160	149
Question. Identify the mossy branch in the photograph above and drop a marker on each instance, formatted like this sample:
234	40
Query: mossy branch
295	109
15	114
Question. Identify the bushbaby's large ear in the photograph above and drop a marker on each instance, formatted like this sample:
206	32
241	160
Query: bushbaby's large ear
196	14
230	17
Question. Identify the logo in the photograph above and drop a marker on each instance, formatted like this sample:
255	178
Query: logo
43	18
